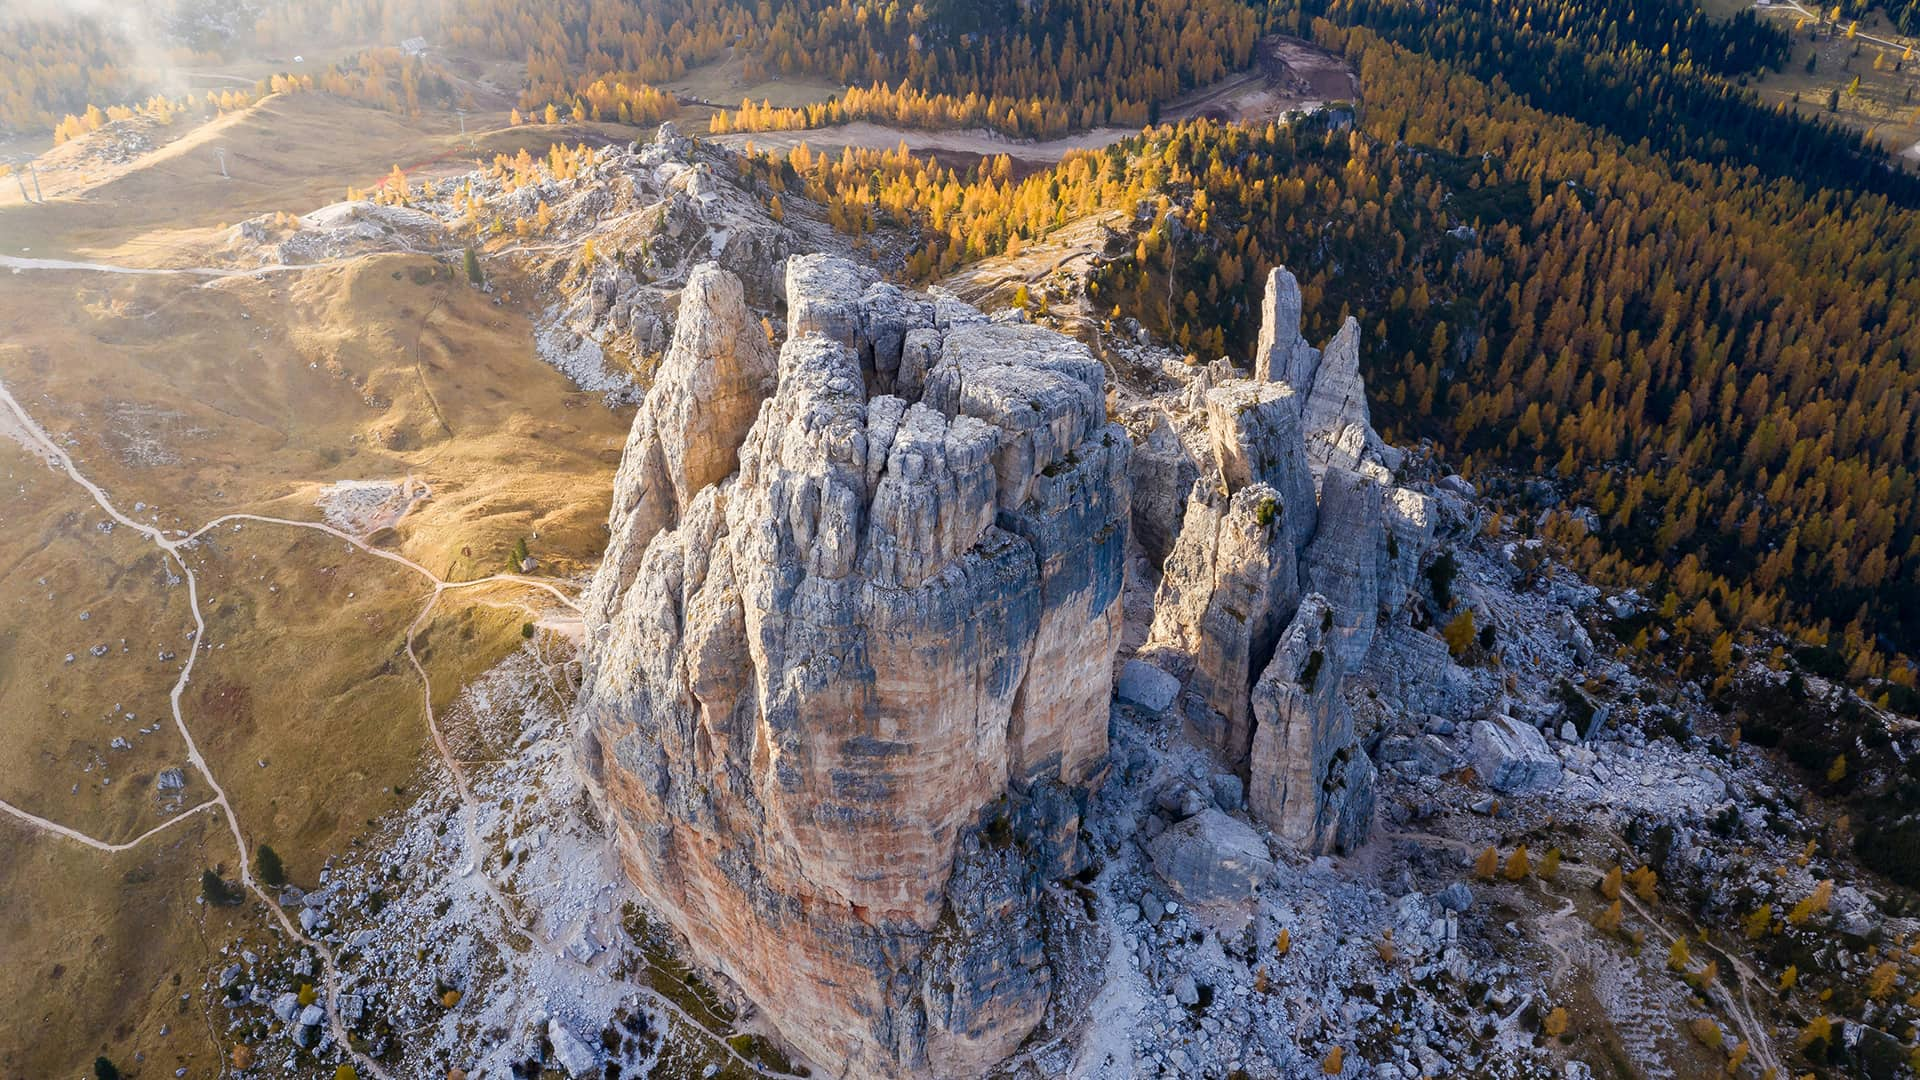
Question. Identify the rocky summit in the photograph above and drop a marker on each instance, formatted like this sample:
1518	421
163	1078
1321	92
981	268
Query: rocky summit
852	648
1293	533
851	657
1105	541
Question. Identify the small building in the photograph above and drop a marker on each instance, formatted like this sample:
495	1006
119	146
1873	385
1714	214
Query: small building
414	46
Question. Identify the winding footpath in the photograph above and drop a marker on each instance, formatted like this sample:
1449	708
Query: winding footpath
18	263
101	845
25	427
56	455
39	441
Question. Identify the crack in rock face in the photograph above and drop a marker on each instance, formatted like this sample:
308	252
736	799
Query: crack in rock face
851	655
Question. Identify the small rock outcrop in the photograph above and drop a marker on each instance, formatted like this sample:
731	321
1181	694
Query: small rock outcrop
1512	757
1212	860
841	651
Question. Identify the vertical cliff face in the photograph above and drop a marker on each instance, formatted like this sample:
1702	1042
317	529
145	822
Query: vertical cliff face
1297	502
687	434
1228	590
845	621
1312	784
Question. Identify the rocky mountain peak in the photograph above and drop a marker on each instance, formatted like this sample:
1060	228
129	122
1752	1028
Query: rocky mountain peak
1294	539
846	623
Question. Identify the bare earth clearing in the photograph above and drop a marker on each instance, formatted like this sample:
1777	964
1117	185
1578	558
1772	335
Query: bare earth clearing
1289	76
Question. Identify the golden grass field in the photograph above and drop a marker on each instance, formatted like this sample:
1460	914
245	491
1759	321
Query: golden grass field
66	588
100	949
246	395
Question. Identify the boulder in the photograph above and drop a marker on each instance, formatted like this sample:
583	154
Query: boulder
1567	628
1418	755
1513	757
1185	990
1228	792
573	1056
1211	858
1146	687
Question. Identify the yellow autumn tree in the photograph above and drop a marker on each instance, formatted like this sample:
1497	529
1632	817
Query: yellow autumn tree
1679	957
1610	884
1609	920
1488	864
1815	903
1459	634
1880	981
1644	882
1555	1023
1518	865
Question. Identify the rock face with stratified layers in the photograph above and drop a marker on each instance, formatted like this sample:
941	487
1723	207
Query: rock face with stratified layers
687	434
828	682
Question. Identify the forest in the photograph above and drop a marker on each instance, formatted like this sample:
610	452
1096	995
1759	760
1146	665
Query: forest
1668	87
1028	69
1714	361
